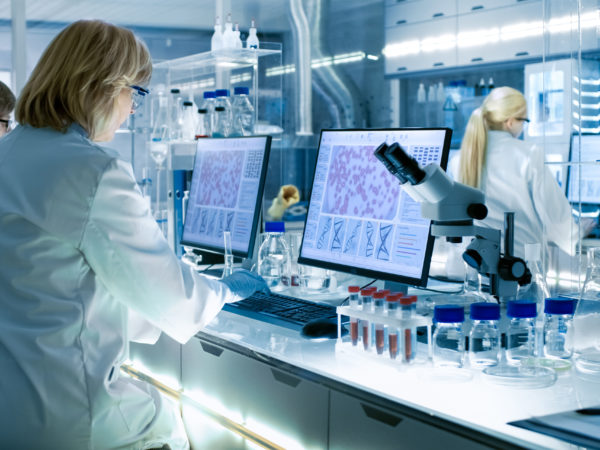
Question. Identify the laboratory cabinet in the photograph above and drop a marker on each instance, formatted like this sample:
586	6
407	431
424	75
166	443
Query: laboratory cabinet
257	392
418	11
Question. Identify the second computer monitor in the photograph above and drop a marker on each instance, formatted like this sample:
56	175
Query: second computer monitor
359	218
583	178
226	193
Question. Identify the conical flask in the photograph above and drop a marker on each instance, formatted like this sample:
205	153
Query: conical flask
586	322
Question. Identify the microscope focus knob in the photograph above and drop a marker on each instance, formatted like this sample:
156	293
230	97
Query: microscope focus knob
473	258
511	268
477	211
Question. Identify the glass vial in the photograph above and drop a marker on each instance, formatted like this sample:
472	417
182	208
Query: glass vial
448	338
558	327
484	337
520	335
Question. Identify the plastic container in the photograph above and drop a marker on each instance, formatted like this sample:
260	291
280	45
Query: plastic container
274	257
216	41
558	328
484	337
243	113
228	34
176	115
448	338
520	336
252	40
202	124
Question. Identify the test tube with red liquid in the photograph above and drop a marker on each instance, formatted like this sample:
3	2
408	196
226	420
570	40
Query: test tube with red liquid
392	311
354	304
408	334
364	325
378	308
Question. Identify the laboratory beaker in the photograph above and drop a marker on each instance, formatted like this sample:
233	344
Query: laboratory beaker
586	322
313	279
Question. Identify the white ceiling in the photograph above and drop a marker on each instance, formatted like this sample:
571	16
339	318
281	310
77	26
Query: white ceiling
270	15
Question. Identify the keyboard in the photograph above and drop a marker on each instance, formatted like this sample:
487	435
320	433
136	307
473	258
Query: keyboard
281	310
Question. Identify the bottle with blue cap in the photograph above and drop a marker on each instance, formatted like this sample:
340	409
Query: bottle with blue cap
558	327
520	335
274	261
223	116
448	338
208	103
484	337
243	112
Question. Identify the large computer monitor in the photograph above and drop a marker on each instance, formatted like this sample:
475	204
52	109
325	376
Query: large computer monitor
583	180
359	219
226	193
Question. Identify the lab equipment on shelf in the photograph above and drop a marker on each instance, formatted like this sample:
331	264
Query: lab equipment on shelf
252	40
484	337
243	113
176	113
521	335
274	257
558	327
237	40
586	321
216	41
228	34
448	337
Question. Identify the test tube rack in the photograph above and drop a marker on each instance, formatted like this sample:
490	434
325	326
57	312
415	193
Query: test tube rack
345	344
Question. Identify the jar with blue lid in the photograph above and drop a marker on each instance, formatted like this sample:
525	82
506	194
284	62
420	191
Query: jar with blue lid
558	327
448	338
484	337
520	335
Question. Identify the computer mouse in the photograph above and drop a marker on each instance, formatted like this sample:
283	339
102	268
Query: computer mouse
325	328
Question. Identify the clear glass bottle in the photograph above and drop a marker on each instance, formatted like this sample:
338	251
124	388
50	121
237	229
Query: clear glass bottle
188	128
176	115
223	118
558	327
520	336
216	41
484	337
354	303
252	40
243	113
208	103
202	124
448	337
228	34
586	321
274	257
536	291
220	129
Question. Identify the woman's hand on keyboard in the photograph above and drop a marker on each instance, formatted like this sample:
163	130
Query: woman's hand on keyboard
244	283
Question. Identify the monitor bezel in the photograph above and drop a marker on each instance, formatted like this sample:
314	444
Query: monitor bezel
570	167
257	206
422	281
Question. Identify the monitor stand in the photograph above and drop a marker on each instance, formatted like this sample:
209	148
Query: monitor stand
394	286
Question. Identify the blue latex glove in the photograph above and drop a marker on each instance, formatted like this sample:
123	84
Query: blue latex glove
244	283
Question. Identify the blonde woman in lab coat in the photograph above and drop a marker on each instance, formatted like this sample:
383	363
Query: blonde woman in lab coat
84	268
512	174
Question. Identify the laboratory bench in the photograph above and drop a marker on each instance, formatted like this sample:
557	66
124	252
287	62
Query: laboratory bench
311	393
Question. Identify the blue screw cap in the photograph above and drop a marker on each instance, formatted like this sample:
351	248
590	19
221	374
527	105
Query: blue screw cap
274	227
448	314
521	309
564	306
485	311
222	92
209	94
241	90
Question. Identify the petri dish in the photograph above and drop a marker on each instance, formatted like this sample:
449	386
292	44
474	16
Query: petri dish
520	377
559	365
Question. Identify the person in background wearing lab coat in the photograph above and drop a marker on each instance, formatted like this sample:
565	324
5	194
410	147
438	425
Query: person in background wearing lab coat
84	268
512	174
7	104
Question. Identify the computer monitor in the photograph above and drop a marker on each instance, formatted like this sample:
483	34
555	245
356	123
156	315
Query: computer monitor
226	193
359	218
583	180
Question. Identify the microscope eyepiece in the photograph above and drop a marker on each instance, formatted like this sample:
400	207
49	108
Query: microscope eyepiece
405	166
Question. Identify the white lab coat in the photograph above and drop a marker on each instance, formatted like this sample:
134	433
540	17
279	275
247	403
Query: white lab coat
516	179
80	257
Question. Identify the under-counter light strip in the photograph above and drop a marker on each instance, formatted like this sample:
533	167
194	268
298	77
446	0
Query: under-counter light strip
477	38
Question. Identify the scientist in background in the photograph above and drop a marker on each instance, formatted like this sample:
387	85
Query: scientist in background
512	174
84	268
7	104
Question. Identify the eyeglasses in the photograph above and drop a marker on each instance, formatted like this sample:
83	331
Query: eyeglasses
137	96
523	119
7	123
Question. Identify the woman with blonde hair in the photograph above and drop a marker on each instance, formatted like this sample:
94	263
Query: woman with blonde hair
84	268
512	174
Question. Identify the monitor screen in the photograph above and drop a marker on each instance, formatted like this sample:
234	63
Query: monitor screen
583	180
359	219
226	193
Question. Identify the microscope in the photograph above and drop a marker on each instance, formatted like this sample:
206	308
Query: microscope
452	207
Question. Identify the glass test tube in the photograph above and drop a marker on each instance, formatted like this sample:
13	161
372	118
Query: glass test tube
378	308
392	311
228	255
408	334
353	300
367	305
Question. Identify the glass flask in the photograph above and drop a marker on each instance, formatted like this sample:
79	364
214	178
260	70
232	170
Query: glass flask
586	321
274	257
